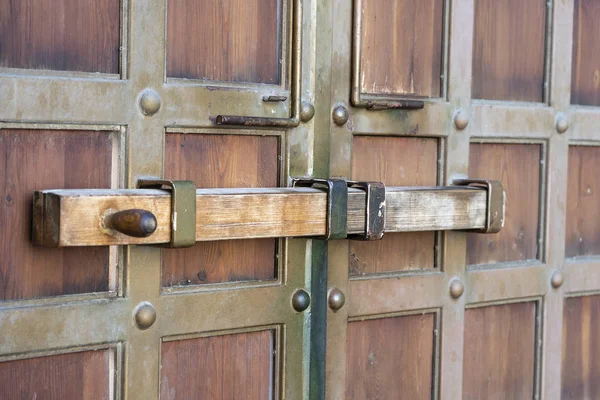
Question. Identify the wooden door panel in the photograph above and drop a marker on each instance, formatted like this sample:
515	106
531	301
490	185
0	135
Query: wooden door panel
219	367
499	356
581	348
509	50
87	375
402	47
517	166
66	35
583	233
585	84
391	357
232	40
34	160
214	161
396	161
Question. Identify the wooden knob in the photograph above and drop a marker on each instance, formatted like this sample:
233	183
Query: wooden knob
135	222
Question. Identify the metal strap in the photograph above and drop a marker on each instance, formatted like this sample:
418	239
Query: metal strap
183	209
337	205
496	200
375	210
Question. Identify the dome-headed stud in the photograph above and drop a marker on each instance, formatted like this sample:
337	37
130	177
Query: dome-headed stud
144	315
456	288
557	279
340	115
300	300
461	120
336	299
307	111
561	123
149	102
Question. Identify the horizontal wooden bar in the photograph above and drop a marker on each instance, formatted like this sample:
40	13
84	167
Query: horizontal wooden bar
76	217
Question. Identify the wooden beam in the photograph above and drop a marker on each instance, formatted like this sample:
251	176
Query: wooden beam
76	217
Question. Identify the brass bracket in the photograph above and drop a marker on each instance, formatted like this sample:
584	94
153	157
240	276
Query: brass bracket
337	205
495	202
375	207
183	209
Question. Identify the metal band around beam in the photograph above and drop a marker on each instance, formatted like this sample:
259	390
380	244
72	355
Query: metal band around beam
77	217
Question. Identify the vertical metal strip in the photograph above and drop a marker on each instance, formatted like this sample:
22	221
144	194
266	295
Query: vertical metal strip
318	320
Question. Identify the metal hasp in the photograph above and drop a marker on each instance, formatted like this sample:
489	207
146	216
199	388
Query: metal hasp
183	209
496	201
375	210
337	205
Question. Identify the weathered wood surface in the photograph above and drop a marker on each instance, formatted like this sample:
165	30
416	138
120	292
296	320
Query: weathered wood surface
75	217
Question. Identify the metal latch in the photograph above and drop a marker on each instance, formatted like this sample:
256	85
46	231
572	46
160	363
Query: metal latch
183	209
337	205
375	210
496	200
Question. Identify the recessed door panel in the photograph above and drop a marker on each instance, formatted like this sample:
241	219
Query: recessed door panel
44	159
585	85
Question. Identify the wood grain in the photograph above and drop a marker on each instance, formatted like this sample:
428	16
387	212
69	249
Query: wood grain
581	348
84	375
517	166
396	161
34	160
583	232
218	367
390	358
509	49
401	47
585	83
223	161
76	217
68	35
224	40
499	353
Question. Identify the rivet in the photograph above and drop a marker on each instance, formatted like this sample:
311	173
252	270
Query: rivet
307	111
337	299
557	279
340	115
144	315
300	300
149	102
460	120
561	123
456	288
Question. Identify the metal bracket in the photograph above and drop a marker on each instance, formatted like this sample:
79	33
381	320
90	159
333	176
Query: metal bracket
495	202
337	205
375	210
183	209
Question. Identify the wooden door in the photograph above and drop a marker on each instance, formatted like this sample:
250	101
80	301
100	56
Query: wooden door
96	94
511	92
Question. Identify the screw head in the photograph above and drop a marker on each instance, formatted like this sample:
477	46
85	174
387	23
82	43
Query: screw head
149	102
300	300
336	299
340	115
307	111
557	279
461	120
144	315
561	123
456	288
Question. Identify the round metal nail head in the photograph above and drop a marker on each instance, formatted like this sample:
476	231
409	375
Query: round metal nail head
461	120
300	300
337	299
557	279
144	315
307	111
562	124
456	288
340	115
149	102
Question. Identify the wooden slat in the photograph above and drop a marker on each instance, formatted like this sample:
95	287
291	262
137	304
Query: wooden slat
585	81
68	35
74	217
508	50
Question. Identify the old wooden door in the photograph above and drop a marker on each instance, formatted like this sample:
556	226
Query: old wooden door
98	93
511	90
